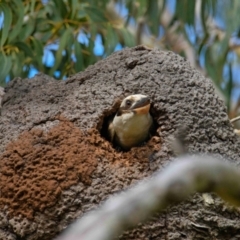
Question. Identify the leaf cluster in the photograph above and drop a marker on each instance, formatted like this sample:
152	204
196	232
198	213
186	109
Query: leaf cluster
45	36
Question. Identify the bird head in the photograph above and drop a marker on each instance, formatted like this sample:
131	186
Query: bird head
136	104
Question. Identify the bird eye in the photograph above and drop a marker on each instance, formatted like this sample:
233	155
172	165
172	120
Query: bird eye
128	103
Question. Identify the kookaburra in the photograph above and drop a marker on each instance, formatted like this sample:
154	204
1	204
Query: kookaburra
132	122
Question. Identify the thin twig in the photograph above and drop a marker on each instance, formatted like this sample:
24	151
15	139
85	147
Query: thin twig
235	119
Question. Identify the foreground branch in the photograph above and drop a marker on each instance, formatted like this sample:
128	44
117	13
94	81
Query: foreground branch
235	119
176	183
1	95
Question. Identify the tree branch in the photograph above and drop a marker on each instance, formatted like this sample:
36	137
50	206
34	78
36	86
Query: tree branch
1	95
174	184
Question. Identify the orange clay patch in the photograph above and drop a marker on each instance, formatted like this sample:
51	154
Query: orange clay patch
39	165
142	110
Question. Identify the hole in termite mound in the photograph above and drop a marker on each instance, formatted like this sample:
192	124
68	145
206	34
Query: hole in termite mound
108	118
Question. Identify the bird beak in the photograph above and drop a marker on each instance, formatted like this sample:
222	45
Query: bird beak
142	106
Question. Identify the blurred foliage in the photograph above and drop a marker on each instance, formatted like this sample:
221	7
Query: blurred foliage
33	29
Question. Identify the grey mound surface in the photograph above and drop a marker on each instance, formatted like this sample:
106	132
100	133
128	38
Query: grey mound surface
56	163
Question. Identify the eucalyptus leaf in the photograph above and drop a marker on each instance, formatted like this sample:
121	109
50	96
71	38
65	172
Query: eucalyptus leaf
33	2
73	4
203	15
230	15
185	11
24	48
209	64
142	8
17	67
6	64
128	39
91	57
38	52
62	45
229	87
18	8
95	14
153	16
7	22
111	40
27	29
61	8
79	64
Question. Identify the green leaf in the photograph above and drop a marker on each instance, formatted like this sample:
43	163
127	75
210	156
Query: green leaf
6	64
38	52
43	25
74	7
61	8
229	87
95	14
213	4
229	14
185	11
203	20
26	9
142	7
25	48
18	62
110	40
7	22
33	2
153	14
190	15
224	47
62	44
91	58
128	39
82	13
18	8
79	65
27	29
209	64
